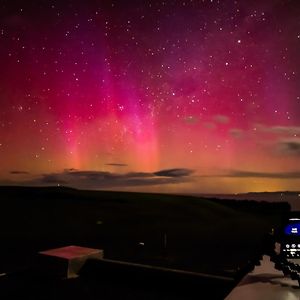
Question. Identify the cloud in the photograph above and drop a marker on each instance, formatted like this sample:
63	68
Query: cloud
289	146
210	125
101	179
222	119
49	178
288	130
236	133
174	172
116	165
19	172
248	174
191	119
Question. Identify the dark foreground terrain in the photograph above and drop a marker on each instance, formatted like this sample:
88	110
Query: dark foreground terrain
182	232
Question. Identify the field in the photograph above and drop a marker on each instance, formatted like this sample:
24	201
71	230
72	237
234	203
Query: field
182	232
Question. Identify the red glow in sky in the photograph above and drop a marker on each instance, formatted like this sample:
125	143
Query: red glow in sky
172	96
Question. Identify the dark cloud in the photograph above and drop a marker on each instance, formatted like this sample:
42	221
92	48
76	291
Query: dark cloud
247	174
236	133
174	172
100	179
139	174
222	119
287	130
191	119
49	179
289	147
288	143
210	125
19	172
116	165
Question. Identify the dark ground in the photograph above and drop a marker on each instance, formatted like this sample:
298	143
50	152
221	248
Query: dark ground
213	237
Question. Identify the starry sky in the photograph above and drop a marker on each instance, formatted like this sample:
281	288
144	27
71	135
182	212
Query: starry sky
197	96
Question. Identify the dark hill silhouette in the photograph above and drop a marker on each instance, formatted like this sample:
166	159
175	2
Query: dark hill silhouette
184	232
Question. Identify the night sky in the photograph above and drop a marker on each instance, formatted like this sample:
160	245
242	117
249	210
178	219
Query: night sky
164	96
